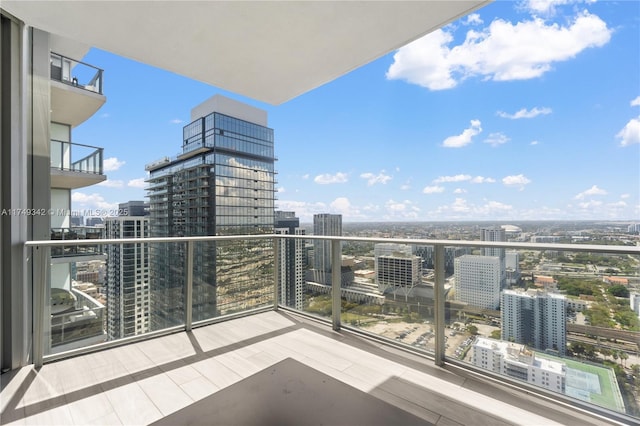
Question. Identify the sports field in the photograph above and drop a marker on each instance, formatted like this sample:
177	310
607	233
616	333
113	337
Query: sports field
592	383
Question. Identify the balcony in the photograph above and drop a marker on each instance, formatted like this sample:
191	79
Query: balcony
337	357
75	165
62	253
80	324
76	90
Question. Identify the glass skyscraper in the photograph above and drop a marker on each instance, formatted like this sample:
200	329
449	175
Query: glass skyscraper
221	184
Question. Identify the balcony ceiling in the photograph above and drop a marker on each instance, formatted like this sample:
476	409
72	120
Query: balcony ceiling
68	179
269	51
73	105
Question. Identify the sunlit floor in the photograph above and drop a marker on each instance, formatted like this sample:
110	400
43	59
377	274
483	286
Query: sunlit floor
144	382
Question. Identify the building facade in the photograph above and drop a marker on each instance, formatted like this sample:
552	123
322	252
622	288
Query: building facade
329	225
221	184
291	271
397	268
127	284
535	318
478	281
515	360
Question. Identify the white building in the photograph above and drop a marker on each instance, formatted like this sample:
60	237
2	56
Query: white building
397	268
535	318
634	299
515	360
478	280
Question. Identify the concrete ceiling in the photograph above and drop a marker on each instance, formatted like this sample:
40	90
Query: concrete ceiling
271	51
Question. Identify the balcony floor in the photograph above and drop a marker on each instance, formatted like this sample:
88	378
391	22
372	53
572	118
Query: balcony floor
145	382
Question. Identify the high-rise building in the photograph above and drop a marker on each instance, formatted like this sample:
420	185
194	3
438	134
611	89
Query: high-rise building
133	208
127	284
634	301
428	255
397	268
291	279
478	280
329	225
497	234
534	318
512	267
221	184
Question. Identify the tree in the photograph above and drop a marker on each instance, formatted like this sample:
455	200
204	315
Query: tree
618	291
623	357
473	330
495	334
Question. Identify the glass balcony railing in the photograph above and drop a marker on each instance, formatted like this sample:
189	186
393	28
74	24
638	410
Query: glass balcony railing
76	233
552	319
76	73
76	157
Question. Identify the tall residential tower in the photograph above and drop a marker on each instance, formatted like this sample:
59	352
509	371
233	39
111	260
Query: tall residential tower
221	184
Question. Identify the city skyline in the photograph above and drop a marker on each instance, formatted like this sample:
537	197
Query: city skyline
548	133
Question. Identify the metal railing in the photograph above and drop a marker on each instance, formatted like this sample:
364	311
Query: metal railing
75	233
439	292
76	73
63	153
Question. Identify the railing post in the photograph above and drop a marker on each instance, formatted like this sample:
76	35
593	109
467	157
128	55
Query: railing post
40	258
439	305
336	272
276	273
188	293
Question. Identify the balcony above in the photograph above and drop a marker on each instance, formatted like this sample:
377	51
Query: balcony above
296	46
75	165
76	90
64	254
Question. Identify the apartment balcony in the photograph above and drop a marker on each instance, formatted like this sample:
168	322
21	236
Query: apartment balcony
75	165
76	90
72	251
262	357
79	321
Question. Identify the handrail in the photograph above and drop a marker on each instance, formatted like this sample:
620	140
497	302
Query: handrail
91	83
610	249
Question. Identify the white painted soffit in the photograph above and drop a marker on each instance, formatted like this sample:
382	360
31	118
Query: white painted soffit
271	51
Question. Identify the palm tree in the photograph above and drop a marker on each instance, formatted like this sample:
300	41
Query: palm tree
624	357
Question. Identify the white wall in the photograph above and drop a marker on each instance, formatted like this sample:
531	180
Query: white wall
60	200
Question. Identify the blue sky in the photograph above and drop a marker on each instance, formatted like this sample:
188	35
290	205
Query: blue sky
522	111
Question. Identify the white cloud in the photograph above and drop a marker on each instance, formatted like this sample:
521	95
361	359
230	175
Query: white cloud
112	183
455	178
636	101
281	190
534	143
497	139
482	179
547	7
432	189
343	206
373	179
401	210
524	113
459	191
305	177
92	201
463	138
502	51
405	187
516	180
105	115
176	121
630	133
462	209
625	196
326	178
304	210
473	19
594	190
137	183
112	164
588	205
